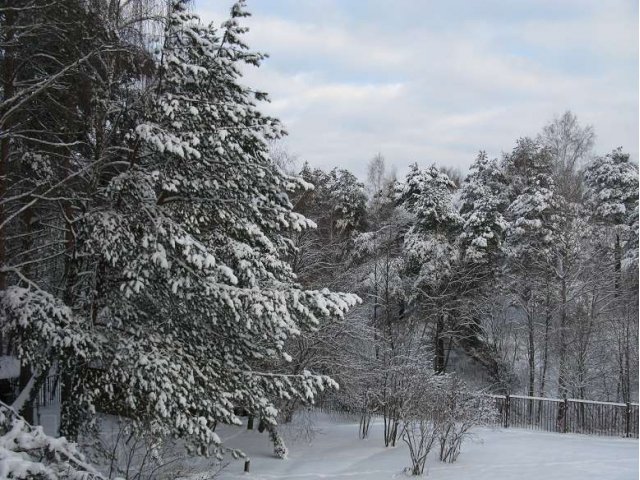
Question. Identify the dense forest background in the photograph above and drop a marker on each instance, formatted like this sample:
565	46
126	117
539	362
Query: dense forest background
521	275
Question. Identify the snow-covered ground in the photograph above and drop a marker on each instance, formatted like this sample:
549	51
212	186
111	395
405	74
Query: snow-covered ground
336	453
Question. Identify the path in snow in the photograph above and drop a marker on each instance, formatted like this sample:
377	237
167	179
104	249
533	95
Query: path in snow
501	454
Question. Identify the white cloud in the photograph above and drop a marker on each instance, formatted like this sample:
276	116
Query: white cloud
307	39
610	30
441	94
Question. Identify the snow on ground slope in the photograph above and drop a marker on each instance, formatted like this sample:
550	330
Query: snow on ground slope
500	454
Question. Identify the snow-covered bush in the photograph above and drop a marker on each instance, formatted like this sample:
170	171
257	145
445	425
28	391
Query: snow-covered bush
122	451
421	417
26	452
303	428
280	450
459	411
419	434
440	408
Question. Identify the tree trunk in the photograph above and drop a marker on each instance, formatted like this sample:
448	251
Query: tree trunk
617	253
8	74
27	409
545	351
562	376
25	369
375	308
439	360
531	350
69	414
532	359
626	380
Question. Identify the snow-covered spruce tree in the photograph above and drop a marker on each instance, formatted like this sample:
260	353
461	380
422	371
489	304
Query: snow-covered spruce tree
484	200
429	244
612	197
427	194
430	247
193	294
337	206
531	237
533	210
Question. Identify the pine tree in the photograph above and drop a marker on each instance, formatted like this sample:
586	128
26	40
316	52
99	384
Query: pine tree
483	199
483	203
430	249
195	296
427	194
612	196
159	286
336	203
531	237
350	202
533	211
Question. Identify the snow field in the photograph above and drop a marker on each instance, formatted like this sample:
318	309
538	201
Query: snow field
493	454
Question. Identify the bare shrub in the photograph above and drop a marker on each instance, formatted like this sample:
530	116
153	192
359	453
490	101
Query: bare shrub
419	434
420	416
303	428
439	408
459	411
124	452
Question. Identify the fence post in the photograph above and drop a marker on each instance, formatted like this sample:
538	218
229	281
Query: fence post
565	413
627	421
507	404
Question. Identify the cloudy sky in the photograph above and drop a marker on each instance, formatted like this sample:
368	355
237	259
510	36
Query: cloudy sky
437	80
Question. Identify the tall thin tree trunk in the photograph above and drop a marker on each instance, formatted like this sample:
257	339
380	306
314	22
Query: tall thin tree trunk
627	361
69	419
562	376
25	370
375	308
8	74
547	326
531	353
532	358
617	266
439	345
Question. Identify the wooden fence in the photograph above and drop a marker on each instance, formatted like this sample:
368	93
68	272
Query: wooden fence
568	415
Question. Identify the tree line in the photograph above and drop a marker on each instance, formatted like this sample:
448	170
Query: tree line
521	276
